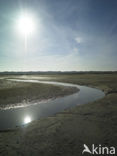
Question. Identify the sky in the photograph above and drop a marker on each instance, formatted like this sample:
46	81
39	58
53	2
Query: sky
69	35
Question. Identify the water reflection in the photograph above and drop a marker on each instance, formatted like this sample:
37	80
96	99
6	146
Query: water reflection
27	119
12	118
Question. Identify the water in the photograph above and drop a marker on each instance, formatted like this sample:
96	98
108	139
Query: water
14	117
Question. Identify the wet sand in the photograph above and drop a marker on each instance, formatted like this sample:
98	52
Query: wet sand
65	133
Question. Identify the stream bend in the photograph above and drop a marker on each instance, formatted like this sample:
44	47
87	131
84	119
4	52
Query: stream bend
11	118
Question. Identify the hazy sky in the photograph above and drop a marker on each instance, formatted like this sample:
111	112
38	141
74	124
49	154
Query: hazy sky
69	35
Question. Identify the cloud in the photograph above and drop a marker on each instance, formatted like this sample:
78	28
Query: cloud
75	51
78	39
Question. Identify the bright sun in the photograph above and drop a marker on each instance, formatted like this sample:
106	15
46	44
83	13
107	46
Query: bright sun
26	25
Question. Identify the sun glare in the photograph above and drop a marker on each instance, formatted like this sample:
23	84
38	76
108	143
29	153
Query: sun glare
26	25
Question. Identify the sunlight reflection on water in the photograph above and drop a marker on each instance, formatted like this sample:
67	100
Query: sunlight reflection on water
27	119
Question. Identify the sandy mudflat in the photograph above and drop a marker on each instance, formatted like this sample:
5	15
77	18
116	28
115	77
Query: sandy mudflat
21	94
65	133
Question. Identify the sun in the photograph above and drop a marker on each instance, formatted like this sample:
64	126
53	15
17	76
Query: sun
26	25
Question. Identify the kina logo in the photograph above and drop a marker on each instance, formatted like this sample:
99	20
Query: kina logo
103	150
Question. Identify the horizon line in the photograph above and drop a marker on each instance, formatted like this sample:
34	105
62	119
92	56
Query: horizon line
60	71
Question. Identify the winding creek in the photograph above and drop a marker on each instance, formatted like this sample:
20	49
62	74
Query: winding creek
11	118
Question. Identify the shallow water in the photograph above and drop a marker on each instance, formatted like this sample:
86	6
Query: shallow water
11	118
